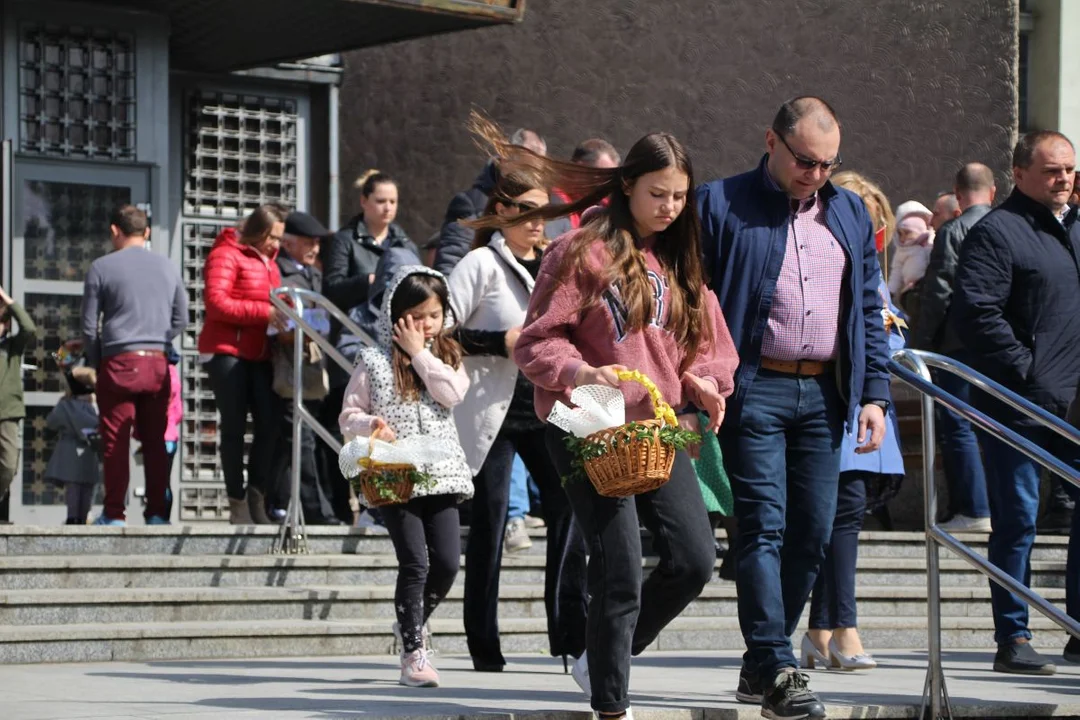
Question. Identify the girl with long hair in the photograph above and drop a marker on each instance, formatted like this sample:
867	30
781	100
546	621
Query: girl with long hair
626	291
406	386
490	290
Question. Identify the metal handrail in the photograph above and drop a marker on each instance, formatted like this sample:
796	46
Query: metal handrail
291	301
917	375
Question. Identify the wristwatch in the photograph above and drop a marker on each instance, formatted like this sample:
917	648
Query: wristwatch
883	404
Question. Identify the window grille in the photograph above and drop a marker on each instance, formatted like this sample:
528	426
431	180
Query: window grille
242	153
77	92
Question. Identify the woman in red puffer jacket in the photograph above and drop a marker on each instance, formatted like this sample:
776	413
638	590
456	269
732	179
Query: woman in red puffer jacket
239	275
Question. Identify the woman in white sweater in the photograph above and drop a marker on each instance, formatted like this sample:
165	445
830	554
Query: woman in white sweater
489	291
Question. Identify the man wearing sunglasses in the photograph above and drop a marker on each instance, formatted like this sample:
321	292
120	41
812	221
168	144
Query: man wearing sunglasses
793	262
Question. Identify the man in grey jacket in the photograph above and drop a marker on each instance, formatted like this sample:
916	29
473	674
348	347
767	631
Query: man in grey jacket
932	330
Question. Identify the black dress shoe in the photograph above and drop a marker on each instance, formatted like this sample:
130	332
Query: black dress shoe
1056	521
790	698
1072	651
1021	659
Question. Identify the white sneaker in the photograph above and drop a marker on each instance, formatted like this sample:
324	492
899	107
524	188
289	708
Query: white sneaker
580	673
965	524
628	716
516	538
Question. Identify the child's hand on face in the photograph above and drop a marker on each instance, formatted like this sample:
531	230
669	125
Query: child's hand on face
409	336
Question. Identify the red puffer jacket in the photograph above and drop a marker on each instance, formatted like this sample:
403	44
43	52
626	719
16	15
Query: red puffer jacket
237	296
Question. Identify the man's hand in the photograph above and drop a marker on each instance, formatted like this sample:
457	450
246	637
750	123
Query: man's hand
703	394
871	418
606	375
690	422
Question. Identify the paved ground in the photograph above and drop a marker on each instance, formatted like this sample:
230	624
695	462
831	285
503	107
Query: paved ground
666	686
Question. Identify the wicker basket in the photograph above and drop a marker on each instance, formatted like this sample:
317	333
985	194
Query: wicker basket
397	473
402	486
633	465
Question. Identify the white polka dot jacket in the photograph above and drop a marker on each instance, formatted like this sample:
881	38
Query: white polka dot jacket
371	394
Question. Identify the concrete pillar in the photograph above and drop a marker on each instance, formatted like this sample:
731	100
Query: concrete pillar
1054	67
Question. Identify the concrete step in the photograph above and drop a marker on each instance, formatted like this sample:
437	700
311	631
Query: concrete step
349	603
148	571
216	539
268	638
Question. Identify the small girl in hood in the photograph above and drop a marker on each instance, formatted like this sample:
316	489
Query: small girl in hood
74	463
915	241
406	386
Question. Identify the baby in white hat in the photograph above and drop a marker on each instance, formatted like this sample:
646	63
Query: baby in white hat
914	241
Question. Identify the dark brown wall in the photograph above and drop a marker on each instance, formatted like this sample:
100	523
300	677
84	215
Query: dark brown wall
920	86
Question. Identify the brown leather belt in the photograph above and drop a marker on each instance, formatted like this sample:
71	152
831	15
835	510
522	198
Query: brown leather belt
806	368
143	353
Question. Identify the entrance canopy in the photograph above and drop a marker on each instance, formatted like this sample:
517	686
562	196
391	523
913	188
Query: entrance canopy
225	35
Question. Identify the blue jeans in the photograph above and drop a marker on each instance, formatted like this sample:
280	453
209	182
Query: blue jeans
1013	485
519	490
783	459
960	452
832	604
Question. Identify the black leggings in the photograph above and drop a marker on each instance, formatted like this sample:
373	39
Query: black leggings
427	540
239	386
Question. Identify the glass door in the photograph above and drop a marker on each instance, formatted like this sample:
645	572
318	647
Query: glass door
59	224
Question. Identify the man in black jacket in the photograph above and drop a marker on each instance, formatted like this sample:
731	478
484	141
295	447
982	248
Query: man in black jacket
296	262
1017	311
932	330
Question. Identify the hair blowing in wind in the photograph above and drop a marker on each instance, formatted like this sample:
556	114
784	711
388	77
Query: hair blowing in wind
678	247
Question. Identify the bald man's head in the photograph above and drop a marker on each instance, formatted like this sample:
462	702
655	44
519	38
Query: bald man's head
805	107
974	185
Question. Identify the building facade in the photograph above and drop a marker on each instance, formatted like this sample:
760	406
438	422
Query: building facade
197	112
920	87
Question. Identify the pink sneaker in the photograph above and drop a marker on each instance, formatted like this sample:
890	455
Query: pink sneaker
417	670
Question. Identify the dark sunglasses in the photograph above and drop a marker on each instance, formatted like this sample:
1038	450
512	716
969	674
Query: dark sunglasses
521	206
805	163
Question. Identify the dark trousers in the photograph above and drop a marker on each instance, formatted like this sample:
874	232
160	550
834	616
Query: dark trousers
565	574
783	458
960	451
336	484
1013	484
427	540
832	604
239	386
625	614
133	393
314	502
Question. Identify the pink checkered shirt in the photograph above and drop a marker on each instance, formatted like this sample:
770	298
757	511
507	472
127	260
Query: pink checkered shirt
805	316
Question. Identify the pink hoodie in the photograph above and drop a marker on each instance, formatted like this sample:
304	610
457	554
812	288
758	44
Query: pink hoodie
557	340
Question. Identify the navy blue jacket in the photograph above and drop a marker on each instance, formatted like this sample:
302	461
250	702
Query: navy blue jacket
744	222
1017	304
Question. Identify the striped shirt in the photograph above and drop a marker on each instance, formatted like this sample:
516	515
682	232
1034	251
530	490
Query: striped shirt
804	320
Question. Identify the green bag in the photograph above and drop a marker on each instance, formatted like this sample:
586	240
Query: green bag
712	478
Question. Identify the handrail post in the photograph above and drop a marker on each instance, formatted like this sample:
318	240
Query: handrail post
934	690
292	538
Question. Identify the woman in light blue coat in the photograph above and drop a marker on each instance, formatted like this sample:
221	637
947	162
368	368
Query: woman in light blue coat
867	482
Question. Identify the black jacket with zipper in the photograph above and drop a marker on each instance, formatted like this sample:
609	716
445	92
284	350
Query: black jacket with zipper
1017	303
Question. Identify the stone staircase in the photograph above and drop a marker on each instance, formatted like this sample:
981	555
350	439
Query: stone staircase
75	594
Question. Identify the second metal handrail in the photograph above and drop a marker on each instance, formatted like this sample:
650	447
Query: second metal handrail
912	368
291	302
